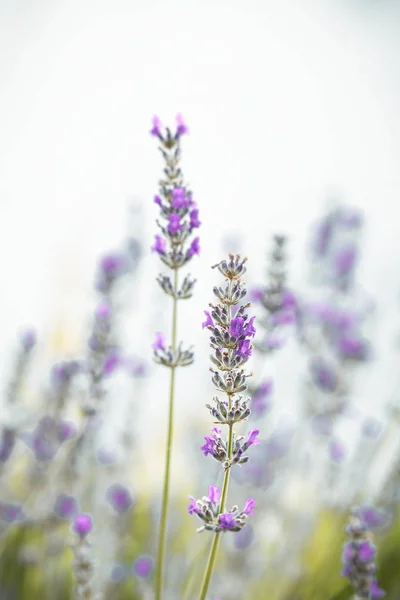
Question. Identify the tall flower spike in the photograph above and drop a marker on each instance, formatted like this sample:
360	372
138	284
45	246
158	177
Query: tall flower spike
231	344
176	246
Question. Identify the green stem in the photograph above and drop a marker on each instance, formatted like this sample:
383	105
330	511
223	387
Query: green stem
164	507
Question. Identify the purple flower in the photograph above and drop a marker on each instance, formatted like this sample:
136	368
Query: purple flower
28	339
157	200
119	497
83	524
111	363
66	430
181	127
156	128
11	513
159	245
179	198
336	451
143	566
174	223
159	343
371	517
252	438
194	218
236	328
350	346
283	317
65	506
103	310
257	294
259	402
376	591
226	521
244	349
208	322
194	247
344	260
214	494
366	551
250	330
193	508
249	506
208	447
112	265
323	376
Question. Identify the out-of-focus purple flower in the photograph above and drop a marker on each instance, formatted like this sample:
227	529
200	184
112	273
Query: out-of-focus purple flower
103	310
65	506
289	300
372	517
226	521
28	339
112	265
174	224
11	513
283	317
194	218
344	260
157	200
256	294
106	457
66	430
194	247
112	362
336	451
214	494
323	376
260	401
244	349
181	127
83	524
159	343
252	438
273	341
244	538
376	591
249	506
366	551
143	566
119	497
352	347
323	236
156	127
208	322
159	245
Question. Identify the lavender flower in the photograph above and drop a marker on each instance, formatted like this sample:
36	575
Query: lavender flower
119	497
65	506
143	566
359	561
82	524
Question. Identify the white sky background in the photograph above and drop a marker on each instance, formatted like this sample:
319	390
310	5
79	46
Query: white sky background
287	102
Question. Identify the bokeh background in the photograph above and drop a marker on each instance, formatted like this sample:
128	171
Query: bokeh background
291	107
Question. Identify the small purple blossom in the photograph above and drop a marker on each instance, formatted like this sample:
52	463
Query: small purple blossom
249	506
65	506
244	349
208	447
336	451
194	218
159	245
250	330
143	566
103	310
344	260
257	294
194	247
119	497
112	265
366	551
111	363
214	494
157	200
174	224
83	524
226	521
28	339
159	343
208	322
181	127
179	198
252	438
156	127
376	591
236	328
66	430
193	508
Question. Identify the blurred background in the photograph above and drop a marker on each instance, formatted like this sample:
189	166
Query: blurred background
293	111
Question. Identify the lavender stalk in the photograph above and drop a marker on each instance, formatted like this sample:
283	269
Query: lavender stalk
230	341
181	217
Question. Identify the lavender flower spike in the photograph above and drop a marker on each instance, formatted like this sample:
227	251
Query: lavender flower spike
175	246
230	341
359	560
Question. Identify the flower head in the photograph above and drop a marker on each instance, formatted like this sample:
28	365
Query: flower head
181	127
194	247
83	524
159	245
214	494
156	127
208	322
159	343
119	498
226	521
249	506
174	224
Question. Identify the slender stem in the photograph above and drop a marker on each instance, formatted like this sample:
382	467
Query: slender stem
164	508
